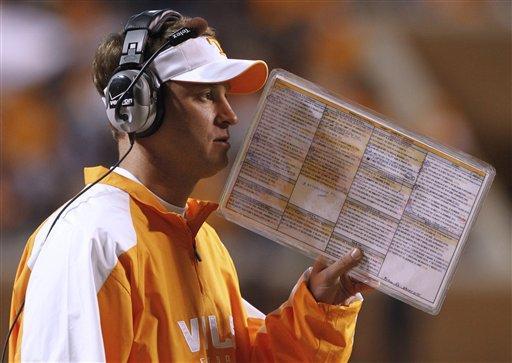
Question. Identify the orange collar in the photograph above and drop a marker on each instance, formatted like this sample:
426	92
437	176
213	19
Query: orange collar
195	214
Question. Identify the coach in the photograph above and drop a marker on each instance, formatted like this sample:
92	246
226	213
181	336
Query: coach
129	270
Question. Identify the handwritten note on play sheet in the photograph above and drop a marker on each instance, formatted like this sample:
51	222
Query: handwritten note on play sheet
317	176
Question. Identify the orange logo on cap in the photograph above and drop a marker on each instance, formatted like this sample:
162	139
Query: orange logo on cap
216	43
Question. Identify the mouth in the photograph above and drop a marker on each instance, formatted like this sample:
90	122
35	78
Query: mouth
223	140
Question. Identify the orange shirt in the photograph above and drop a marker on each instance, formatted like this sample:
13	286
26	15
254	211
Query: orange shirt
118	280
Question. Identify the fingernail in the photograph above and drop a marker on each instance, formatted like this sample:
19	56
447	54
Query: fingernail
356	253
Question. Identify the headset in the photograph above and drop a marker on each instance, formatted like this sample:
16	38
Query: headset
137	109
132	98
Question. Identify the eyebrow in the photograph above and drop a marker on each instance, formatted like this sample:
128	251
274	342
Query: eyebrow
199	87
212	86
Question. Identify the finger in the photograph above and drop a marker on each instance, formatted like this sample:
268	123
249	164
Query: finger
362	287
320	264
367	285
344	264
348	284
351	287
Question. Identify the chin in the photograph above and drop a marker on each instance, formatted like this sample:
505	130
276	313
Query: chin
214	168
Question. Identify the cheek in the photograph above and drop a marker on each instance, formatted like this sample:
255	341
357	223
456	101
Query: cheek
189	126
199	126
191	139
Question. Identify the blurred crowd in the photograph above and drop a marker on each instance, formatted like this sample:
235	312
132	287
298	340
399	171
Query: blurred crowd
439	68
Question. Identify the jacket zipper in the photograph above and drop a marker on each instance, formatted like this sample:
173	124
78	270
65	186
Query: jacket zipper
196	254
196	258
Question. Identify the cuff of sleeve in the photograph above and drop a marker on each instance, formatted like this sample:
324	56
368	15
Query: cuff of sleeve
301	293
330	328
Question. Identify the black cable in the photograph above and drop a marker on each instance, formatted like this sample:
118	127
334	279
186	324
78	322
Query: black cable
11	328
131	136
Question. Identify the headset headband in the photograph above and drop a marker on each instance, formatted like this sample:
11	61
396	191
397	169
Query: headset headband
136	34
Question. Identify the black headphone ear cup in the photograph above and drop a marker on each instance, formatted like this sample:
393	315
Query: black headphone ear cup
160	113
138	109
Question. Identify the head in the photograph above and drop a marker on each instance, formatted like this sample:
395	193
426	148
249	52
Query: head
192	96
108	55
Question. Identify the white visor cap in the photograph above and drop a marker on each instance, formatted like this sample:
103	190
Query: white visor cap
201	60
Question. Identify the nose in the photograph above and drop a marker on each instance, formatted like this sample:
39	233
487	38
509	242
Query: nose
225	115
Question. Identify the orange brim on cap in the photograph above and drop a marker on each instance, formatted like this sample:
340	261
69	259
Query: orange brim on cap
201	60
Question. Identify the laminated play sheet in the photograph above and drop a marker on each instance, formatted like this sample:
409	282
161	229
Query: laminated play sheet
323	175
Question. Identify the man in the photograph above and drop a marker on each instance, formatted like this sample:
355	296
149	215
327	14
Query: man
131	271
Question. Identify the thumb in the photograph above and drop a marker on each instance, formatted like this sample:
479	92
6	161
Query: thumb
319	265
344	264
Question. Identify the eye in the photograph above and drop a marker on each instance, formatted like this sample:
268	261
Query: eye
207	95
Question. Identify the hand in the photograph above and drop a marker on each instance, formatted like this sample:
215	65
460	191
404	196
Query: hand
332	284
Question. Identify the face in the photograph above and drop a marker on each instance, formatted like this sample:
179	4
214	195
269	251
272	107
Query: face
194	136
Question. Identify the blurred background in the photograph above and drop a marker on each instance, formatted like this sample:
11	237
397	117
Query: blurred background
439	68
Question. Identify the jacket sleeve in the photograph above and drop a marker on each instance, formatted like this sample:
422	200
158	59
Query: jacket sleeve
17	302
302	330
60	321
